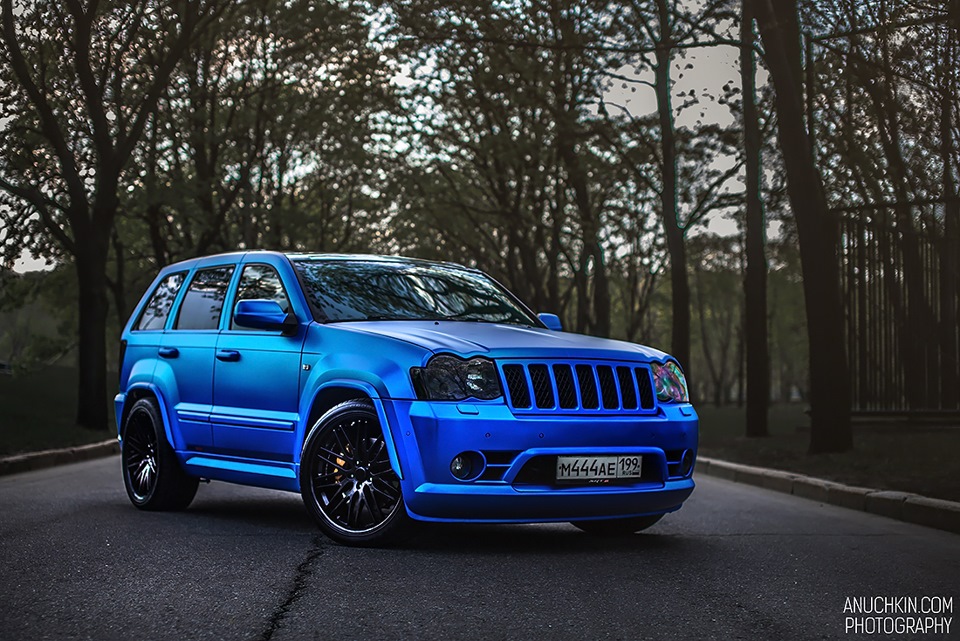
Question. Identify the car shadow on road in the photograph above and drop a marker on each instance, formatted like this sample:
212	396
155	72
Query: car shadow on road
533	538
273	512
280	511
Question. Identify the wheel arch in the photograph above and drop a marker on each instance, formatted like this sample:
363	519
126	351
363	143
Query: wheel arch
140	391
334	392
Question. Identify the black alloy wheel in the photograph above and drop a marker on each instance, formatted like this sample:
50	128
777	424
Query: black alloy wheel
346	479
151	474
140	456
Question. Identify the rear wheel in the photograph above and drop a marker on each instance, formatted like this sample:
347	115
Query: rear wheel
346	479
151	473
614	527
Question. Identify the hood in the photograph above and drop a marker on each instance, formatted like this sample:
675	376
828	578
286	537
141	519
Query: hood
502	341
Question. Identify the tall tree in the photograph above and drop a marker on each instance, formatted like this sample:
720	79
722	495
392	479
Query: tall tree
817	230
950	257
755	281
78	85
666	28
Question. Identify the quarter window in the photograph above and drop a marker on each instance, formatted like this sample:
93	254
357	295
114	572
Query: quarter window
261	282
154	315
203	301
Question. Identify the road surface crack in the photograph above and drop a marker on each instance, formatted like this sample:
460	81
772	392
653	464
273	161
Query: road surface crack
299	584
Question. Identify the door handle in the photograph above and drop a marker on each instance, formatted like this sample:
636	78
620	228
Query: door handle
168	352
228	355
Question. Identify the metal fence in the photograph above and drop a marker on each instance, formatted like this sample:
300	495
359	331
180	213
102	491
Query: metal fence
900	297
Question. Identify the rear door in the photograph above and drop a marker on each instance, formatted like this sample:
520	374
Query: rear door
187	356
146	333
257	376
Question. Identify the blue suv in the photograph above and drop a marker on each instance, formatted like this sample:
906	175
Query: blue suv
388	390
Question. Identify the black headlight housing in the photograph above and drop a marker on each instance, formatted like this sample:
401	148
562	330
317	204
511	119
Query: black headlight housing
450	378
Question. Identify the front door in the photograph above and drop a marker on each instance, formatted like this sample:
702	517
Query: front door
257	378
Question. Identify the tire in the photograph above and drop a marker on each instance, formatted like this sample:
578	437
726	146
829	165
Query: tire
618	527
347	482
151	473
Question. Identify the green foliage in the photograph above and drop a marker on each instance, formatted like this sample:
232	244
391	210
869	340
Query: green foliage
37	327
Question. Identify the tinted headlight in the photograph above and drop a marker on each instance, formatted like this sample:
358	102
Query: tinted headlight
448	378
670	382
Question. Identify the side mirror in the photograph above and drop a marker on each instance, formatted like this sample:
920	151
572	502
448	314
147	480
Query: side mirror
264	314
552	321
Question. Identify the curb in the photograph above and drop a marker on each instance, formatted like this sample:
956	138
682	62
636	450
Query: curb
903	506
49	458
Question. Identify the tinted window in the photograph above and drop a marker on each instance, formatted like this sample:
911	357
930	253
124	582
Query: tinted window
203	301
342	290
261	282
154	315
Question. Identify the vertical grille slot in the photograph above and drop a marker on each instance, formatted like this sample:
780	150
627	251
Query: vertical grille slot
646	387
588	387
566	391
517	386
542	390
628	393
608	387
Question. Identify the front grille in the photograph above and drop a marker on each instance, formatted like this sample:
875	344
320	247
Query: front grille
594	387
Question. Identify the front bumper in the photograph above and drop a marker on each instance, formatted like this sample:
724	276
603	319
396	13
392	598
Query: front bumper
517	485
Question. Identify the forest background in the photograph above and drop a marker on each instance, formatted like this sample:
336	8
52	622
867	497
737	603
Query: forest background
767	190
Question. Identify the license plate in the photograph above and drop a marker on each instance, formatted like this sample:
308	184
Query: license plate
594	468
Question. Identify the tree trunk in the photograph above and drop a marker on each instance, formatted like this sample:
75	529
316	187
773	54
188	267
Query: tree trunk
679	281
755	281
949	266
818	234
91	265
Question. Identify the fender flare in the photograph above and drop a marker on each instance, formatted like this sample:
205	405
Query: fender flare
161	401
374	397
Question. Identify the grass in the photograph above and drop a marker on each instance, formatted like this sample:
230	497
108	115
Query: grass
37	411
919	458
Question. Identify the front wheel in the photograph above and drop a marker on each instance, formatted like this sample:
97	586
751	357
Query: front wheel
151	473
614	527
346	480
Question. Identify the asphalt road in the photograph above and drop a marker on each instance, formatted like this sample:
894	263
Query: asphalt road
737	562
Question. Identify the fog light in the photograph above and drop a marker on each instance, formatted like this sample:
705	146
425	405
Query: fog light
686	463
461	467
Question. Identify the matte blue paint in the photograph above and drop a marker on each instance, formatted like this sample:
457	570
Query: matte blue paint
552	321
237	404
260	314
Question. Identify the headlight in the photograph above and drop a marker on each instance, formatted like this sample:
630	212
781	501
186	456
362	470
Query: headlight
670	382
448	378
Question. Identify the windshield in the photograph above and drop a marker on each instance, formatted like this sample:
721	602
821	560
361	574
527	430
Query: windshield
350	290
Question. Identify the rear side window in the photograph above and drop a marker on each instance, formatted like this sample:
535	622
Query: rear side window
154	315
261	282
203	301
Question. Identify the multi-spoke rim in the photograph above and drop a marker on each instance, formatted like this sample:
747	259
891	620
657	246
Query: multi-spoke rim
140	454
354	486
